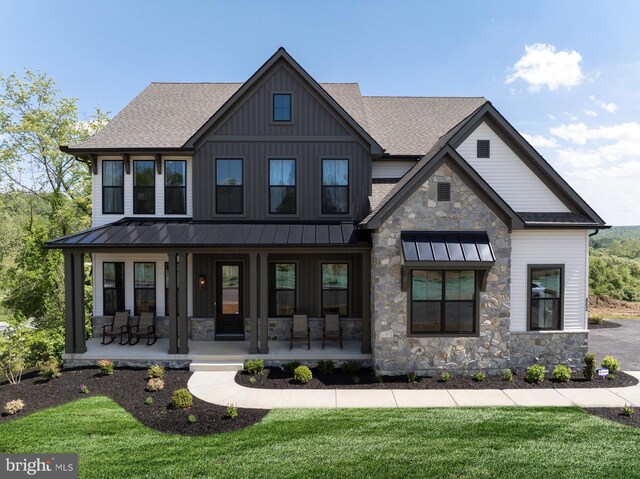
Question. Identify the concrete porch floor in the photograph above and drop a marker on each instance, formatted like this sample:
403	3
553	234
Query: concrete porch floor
216	351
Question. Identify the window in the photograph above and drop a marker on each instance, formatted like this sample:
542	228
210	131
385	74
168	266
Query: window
282	186
545	310
444	191
166	289
112	288
335	186
282	107
112	187
229	194
144	287
443	302
283	289
144	187
175	187
335	287
484	149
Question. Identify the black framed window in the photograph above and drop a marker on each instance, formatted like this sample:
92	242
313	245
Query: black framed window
166	289
144	287
443	302
335	186
112	187
335	287
282	186
175	187
112	287
545	303
229	193
283	289
282	107
144	187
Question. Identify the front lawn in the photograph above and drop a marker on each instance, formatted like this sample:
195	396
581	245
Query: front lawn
470	443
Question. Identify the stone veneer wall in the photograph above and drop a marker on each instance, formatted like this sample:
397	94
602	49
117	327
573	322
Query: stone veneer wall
548	348
393	350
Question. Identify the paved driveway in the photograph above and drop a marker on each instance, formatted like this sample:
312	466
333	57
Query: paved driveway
623	343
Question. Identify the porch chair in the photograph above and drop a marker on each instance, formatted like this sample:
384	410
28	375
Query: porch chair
146	328
332	329
300	330
119	327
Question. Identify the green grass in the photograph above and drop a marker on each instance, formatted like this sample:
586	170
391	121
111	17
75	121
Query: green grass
460	443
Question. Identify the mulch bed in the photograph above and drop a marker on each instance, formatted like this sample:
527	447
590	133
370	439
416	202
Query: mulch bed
604	325
615	414
127	387
276	378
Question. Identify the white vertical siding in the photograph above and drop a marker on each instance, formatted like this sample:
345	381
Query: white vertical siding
391	169
98	219
129	258
567	247
508	175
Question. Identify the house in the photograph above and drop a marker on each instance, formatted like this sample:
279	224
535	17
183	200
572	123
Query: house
440	235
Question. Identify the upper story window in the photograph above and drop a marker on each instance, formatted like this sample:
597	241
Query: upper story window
545	304
229	193
281	107
282	186
175	187
484	149
335	186
113	187
144	187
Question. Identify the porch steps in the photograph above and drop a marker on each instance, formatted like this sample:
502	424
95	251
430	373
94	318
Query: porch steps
216	366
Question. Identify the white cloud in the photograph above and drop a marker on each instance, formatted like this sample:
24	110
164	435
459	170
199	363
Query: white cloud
610	107
542	65
623	139
539	141
590	113
551	117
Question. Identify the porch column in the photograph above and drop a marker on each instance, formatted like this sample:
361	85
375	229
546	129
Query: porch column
366	302
183	319
264	304
253	303
74	341
172	299
69	330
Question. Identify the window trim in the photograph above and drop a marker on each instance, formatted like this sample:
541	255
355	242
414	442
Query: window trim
281	122
269	186
175	187
273	290
348	186
113	187
488	148
476	304
134	187
348	289
155	286
530	268
123	288
215	184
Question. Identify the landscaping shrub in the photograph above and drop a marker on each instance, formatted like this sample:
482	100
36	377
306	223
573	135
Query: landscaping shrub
479	377
379	378
191	419
254	366
351	367
252	379
302	374
148	401
596	319
50	369
13	352
507	375
535	373
627	410
611	363
444	377
155	384
326	367
156	371
561	373
412	377
291	366
356	379
84	389
232	411
589	366
181	399
13	407
43	345
106	367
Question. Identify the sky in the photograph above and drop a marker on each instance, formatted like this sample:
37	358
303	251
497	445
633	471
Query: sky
565	74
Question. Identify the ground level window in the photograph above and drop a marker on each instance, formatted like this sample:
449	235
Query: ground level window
112	287
545	301
443	302
335	288
283	289
144	287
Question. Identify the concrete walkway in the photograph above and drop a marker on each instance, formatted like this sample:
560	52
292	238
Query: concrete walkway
219	387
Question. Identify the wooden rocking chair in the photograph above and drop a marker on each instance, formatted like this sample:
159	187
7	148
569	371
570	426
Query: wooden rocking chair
146	328
300	330
119	327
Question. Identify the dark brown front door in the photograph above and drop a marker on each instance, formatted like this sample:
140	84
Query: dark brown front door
230	320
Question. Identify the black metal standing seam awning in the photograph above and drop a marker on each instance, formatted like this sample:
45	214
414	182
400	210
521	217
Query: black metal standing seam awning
428	248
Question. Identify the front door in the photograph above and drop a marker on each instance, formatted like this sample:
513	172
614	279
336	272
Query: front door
229	317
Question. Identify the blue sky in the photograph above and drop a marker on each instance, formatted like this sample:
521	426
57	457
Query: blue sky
566	74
